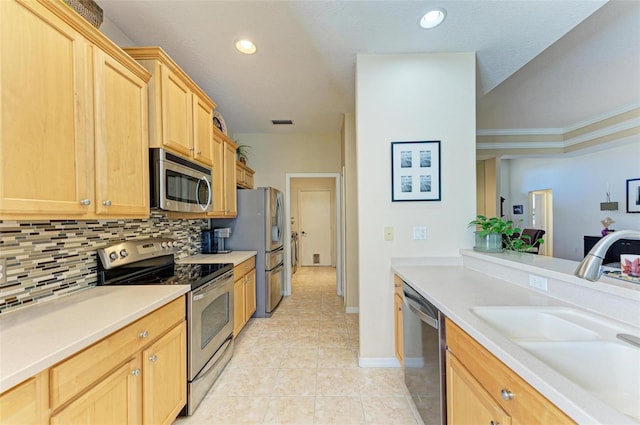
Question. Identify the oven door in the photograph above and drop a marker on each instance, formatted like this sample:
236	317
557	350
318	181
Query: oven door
210	320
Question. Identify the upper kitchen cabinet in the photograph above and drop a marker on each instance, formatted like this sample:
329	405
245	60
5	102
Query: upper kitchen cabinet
74	135
224	176
180	113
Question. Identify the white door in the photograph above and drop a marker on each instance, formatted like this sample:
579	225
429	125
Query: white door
541	217
315	227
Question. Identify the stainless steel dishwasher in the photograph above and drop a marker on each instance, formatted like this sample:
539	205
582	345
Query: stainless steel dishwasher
424	356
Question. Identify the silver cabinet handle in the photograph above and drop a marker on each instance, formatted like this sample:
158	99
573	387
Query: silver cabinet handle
153	358
506	394
199	152
494	423
143	334
107	203
135	372
86	202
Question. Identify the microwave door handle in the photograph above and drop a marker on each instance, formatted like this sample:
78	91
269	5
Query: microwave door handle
204	179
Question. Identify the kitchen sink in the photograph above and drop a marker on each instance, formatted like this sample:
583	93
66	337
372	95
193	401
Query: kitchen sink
534	323
578	345
609	370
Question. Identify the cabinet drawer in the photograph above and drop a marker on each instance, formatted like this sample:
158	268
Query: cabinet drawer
244	268
80	371
527	405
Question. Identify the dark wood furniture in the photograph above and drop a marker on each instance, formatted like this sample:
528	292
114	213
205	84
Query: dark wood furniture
622	246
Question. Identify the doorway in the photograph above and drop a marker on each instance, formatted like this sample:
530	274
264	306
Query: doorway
312	189
316	233
541	217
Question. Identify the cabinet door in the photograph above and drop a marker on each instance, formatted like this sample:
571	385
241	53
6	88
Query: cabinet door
26	403
218	177
250	294
467	401
177	118
121	140
165	377
202	133
114	400
231	209
238	306
44	124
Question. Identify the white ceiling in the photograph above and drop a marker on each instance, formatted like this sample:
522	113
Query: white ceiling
304	69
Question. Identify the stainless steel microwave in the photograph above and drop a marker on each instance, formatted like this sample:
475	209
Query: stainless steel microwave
178	184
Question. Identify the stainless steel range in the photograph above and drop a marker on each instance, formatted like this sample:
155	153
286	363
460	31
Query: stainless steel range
209	303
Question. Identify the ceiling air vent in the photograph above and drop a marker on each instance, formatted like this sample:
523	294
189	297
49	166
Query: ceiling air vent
282	122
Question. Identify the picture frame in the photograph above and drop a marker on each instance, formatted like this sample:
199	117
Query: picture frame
415	171
633	195
518	209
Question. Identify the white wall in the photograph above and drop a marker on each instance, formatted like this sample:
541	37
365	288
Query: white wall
405	98
349	161
272	156
114	33
579	184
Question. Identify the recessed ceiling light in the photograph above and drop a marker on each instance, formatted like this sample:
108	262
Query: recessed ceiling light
433	18
246	46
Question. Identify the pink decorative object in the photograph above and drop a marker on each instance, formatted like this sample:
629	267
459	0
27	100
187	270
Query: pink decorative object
630	265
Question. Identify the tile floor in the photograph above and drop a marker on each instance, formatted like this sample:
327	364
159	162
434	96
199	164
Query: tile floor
301	367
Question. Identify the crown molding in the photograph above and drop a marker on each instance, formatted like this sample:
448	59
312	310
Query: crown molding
595	130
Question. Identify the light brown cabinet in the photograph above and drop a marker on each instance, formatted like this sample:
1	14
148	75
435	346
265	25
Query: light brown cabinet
135	375
244	176
244	294
397	308
73	136
224	176
482	389
180	113
26	403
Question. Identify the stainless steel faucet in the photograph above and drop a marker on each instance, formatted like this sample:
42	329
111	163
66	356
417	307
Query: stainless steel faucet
590	267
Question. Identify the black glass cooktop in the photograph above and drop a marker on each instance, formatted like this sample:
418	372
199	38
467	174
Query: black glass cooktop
159	271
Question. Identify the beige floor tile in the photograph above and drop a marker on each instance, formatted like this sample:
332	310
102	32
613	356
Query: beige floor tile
337	357
290	410
245	382
339	411
382	382
388	411
228	411
295	382
297	357
338	382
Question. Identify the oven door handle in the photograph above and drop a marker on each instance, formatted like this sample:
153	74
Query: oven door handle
202	292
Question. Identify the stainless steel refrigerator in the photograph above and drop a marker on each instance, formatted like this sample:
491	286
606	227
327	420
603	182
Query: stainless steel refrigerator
260	227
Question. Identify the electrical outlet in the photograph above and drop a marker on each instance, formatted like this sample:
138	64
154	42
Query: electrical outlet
388	233
419	233
538	282
3	271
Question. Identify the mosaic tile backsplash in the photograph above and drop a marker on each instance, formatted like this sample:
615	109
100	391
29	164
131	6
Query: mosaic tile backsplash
45	259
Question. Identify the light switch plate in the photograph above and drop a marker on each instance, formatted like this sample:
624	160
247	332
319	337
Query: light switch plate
388	233
420	233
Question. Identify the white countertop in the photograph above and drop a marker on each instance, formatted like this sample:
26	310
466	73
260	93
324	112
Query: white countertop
455	289
38	336
235	257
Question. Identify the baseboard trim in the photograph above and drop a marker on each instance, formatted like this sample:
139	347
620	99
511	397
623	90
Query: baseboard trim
378	362
352	310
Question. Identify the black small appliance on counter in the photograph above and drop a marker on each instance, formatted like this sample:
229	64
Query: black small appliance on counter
213	240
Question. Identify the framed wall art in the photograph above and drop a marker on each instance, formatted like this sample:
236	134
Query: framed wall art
415	171
633	195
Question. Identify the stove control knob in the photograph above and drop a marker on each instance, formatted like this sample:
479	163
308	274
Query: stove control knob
164	244
174	243
123	253
113	256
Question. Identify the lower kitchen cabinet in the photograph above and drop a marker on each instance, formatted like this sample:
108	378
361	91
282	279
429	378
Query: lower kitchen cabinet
164	379
114	400
244	294
135	375
483	390
26	403
397	315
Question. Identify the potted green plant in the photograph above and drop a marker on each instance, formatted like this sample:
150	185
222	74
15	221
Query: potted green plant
494	234
242	152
